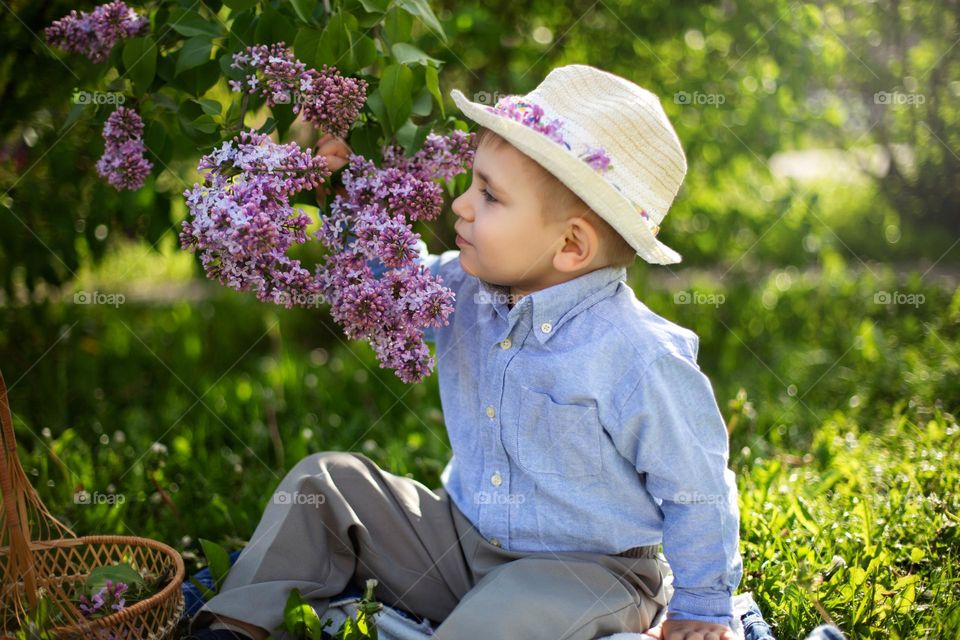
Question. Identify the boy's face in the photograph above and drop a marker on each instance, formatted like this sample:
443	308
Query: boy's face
502	236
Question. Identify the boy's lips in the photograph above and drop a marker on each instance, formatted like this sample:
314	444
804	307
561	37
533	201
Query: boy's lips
461	240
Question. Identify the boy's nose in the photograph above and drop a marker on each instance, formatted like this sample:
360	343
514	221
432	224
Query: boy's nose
461	208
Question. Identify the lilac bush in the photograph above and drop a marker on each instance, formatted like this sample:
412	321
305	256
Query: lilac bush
94	34
326	99
122	162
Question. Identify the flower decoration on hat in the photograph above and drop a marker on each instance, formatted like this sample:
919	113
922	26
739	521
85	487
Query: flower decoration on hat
531	115
654	228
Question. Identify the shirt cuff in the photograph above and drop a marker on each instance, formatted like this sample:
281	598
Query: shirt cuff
686	605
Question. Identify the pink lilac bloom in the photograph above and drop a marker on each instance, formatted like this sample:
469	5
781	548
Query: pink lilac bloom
326	99
370	224
122	162
531	115
241	220
94	34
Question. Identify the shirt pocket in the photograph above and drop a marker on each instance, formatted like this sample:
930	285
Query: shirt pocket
558	439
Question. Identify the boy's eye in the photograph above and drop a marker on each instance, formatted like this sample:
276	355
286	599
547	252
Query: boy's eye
487	196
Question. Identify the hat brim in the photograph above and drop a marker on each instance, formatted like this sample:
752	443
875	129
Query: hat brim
598	193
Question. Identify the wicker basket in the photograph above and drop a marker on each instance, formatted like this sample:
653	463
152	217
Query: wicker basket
37	551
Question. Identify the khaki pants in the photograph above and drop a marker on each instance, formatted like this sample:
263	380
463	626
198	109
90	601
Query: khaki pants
337	517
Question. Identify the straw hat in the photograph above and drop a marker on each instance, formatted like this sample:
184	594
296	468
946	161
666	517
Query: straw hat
605	138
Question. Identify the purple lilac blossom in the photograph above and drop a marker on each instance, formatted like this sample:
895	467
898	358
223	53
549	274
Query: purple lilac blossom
328	100
94	34
122	162
242	222
370	223
109	593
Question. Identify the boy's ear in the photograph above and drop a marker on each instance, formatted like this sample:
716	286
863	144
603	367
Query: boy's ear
581	245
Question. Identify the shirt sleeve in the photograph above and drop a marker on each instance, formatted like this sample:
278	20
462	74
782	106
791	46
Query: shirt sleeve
446	265
671	428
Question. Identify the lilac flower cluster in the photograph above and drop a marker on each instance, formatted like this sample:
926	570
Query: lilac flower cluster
326	99
242	221
531	115
122	162
110	594
369	224
94	34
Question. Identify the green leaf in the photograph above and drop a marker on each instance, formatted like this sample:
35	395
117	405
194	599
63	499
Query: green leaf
365	52
397	26
306	46
240	5
98	577
300	618
406	53
157	141
433	84
273	26
411	136
204	589
395	86
194	53
422	103
304	9
76	112
336	43
422	10
217	559
379	110
366	142
140	62
190	24
196	81
375	6
210	107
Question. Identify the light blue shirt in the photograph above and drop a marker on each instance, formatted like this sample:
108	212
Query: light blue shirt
580	421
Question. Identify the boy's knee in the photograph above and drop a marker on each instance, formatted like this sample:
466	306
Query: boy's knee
327	465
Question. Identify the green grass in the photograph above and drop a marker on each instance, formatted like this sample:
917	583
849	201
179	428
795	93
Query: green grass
842	415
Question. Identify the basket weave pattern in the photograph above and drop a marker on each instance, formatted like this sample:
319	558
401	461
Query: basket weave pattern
37	551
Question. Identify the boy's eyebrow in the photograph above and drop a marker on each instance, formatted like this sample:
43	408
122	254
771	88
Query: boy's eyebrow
486	179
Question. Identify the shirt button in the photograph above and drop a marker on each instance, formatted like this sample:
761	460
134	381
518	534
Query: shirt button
496	479
506	344
495	542
491	411
546	327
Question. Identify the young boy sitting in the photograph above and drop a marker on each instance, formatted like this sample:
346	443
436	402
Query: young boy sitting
583	432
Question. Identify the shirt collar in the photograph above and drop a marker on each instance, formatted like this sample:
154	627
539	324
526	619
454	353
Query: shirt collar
554	305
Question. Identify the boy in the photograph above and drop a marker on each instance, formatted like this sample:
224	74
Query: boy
583	432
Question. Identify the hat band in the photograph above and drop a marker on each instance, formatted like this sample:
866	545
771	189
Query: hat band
530	114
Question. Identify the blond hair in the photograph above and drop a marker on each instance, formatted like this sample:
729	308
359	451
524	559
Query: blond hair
565	204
